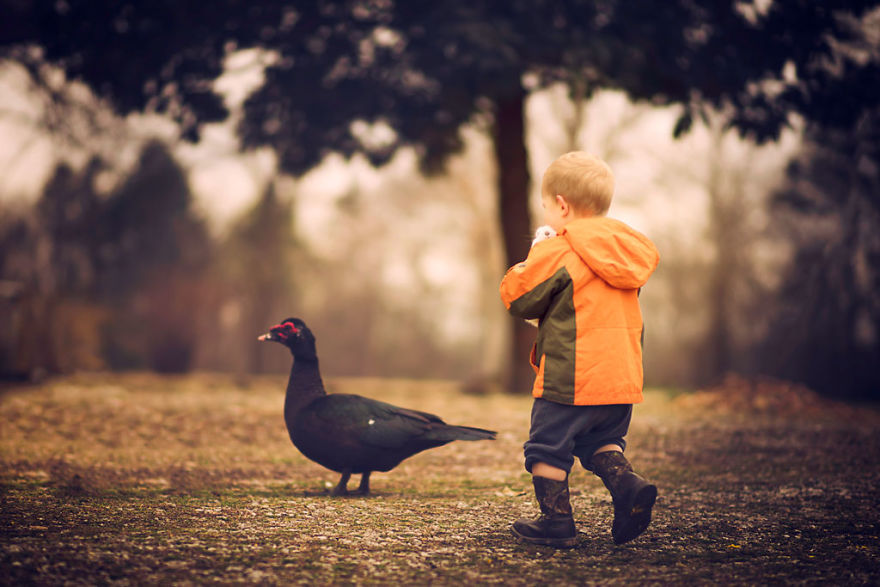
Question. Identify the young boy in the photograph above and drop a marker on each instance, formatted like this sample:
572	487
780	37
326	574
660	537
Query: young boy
583	286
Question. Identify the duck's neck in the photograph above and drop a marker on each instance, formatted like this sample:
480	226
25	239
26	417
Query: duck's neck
303	386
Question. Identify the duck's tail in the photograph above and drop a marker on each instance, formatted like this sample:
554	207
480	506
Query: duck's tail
468	433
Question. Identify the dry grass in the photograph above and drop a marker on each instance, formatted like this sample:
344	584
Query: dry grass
143	480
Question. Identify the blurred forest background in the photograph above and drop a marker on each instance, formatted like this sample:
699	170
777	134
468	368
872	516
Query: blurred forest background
179	175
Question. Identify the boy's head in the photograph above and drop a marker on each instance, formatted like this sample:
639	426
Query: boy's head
576	185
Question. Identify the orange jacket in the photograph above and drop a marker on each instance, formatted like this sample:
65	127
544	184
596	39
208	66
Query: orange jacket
583	285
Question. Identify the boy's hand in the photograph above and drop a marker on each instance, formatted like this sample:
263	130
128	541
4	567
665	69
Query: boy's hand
541	233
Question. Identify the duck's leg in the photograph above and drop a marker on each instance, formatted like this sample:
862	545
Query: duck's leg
364	487
342	487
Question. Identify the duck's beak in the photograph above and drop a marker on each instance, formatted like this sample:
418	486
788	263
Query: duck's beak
267	336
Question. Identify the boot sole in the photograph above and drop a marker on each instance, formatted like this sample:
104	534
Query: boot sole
555	542
639	515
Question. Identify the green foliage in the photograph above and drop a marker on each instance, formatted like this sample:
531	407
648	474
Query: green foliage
156	55
425	69
70	211
149	225
116	280
258	271
154	257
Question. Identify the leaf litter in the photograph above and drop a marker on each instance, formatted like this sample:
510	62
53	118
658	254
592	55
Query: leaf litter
139	479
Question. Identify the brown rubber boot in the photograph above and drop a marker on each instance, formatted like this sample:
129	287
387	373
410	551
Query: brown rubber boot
633	497
555	525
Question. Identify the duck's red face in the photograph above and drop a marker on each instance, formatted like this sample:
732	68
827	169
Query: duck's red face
295	335
282	332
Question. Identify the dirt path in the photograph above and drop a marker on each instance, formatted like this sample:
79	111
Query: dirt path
142	480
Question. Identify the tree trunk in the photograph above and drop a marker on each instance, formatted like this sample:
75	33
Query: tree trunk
513	191
721	282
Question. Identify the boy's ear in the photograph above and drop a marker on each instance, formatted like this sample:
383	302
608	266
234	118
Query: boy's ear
563	204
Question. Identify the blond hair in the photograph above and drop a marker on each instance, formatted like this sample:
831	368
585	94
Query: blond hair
584	180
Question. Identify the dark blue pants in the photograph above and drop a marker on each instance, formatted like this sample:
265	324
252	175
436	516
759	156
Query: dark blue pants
560	432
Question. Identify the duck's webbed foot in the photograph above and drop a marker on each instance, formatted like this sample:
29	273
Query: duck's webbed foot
341	487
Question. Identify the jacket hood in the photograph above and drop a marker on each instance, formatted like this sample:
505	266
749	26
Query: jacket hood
620	255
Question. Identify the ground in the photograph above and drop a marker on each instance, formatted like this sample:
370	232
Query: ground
136	479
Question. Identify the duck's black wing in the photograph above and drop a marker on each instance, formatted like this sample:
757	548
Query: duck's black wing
383	425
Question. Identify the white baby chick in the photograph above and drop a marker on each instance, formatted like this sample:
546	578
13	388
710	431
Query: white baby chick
543	233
